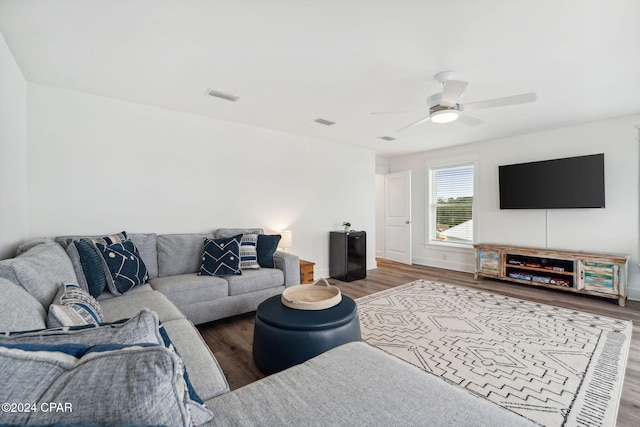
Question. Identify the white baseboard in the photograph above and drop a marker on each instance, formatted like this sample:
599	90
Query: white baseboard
320	272
441	263
633	294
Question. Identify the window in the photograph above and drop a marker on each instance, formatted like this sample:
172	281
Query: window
451	204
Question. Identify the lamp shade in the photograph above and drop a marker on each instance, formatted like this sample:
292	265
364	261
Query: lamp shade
287	240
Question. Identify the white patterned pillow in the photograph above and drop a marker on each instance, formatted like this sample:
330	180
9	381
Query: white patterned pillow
73	306
126	270
248	252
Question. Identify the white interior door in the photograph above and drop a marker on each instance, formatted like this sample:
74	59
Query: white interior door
397	216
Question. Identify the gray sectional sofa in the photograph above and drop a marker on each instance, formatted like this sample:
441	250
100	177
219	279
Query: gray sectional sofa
354	384
173	260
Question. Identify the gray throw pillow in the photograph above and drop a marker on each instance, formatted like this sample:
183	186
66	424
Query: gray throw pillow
142	328
40	271
19	311
145	385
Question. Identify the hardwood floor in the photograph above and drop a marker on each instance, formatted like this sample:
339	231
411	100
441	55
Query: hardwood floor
230	339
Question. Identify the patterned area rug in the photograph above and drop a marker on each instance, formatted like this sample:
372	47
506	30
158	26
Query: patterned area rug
554	366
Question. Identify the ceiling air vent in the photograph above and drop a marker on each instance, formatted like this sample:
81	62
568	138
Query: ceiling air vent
222	95
386	138
325	122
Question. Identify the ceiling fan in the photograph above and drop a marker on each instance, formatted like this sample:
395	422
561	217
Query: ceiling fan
445	107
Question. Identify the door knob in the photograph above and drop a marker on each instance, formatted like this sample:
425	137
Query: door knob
407	222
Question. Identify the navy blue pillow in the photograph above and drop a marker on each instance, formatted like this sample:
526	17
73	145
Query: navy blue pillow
126	268
221	257
91	262
266	247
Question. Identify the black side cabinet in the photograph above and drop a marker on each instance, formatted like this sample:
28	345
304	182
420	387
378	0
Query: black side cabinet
348	255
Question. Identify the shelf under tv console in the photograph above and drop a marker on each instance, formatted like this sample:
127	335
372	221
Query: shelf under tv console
600	274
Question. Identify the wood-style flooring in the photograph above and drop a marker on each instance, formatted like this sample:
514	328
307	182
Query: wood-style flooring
230	339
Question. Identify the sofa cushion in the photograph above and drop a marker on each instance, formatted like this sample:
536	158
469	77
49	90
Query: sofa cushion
40	271
184	289
197	358
255	280
148	386
362	386
126	306
142	288
221	257
266	248
248	252
143	327
147	244
180	253
24	247
126	268
19	311
221	233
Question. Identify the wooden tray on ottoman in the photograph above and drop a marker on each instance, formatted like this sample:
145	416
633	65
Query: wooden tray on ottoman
317	296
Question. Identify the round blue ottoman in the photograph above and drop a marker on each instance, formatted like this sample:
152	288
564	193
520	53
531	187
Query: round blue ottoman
284	336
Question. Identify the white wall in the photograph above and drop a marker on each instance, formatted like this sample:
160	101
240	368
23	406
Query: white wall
380	192
613	229
13	153
100	165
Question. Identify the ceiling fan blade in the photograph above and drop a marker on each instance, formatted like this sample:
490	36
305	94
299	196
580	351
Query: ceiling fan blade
500	102
417	122
469	120
452	92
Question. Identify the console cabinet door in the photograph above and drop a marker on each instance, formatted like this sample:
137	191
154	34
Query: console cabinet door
599	276
488	262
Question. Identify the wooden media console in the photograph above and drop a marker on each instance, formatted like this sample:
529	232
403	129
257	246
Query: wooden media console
600	274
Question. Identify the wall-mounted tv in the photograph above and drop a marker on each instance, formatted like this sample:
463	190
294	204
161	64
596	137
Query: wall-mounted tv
573	182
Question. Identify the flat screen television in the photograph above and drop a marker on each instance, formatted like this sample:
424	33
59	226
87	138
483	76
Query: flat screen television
573	182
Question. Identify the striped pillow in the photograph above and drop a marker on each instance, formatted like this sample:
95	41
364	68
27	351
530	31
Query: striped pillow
73	306
248	252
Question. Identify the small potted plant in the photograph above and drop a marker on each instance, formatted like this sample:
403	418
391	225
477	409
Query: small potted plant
346	225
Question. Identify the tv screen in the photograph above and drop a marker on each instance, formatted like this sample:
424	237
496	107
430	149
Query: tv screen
573	182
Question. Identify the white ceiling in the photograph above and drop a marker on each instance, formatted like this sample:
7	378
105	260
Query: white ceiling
292	61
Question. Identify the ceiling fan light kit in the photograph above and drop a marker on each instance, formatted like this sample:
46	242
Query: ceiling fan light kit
444	116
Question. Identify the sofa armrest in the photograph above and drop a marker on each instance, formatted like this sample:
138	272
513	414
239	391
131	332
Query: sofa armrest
290	266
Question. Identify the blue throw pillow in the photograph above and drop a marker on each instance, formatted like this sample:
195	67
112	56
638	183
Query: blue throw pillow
126	268
91	266
221	257
266	247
